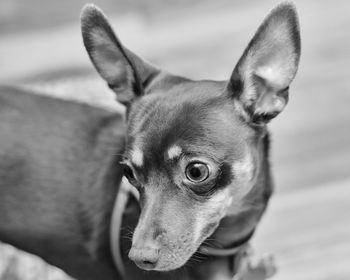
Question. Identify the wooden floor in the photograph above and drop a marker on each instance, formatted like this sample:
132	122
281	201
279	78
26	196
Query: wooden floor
307	226
308	232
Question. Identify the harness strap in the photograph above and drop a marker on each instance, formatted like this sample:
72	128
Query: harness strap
116	222
224	252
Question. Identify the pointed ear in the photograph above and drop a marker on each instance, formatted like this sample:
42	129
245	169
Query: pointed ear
126	74
260	81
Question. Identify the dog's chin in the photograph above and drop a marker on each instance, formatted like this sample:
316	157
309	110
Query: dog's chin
161	267
169	261
172	259
164	267
168	265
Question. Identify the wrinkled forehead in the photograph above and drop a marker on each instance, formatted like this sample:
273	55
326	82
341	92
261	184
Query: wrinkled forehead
183	121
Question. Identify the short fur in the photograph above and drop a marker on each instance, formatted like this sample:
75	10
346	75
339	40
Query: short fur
61	163
59	175
220	125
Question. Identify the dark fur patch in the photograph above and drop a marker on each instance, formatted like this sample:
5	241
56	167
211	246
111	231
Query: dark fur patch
225	177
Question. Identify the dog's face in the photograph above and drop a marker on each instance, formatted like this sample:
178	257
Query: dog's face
192	146
189	157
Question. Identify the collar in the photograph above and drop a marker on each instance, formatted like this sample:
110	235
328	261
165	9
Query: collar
125	190
223	252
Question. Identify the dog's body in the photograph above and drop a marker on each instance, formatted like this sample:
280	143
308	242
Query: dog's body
196	151
59	174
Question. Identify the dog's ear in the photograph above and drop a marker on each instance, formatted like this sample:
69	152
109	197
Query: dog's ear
125	73
262	76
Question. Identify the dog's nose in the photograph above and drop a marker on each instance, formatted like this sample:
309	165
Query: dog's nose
146	257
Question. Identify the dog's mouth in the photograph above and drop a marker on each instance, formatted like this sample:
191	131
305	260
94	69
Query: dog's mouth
164	254
162	260
170	251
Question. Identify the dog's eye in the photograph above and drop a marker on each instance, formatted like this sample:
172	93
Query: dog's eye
197	172
128	173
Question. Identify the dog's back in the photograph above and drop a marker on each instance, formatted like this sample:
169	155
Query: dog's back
56	186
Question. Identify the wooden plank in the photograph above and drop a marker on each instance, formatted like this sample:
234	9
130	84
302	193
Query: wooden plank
308	232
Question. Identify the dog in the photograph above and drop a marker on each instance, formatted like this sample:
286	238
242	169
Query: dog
197	152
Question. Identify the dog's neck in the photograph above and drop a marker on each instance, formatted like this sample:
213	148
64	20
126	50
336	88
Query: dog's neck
243	218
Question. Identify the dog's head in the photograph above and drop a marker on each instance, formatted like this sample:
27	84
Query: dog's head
193	146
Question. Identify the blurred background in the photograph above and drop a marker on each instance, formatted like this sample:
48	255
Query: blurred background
307	225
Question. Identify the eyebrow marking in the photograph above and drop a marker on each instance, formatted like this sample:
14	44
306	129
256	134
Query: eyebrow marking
137	157
174	152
